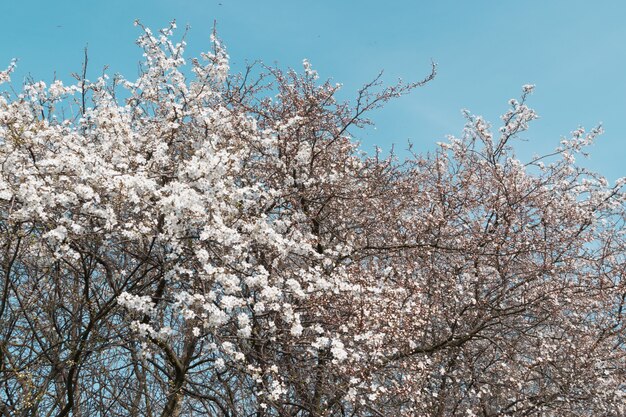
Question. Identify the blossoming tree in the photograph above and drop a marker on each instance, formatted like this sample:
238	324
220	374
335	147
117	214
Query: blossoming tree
196	243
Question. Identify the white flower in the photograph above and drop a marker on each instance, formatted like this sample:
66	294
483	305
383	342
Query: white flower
139	303
338	351
296	329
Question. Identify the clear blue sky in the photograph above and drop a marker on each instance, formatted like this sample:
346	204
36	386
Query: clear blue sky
574	51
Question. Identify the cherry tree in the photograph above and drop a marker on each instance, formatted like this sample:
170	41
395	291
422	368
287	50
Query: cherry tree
197	242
